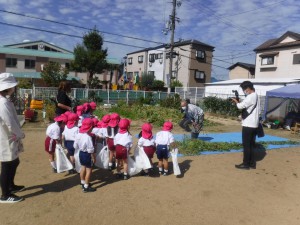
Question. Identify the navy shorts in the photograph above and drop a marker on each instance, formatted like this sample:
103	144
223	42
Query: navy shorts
85	159
162	151
70	147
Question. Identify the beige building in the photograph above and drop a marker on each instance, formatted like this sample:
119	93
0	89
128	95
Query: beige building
242	71
279	57
192	62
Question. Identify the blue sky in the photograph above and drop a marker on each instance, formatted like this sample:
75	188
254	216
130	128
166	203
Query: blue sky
233	27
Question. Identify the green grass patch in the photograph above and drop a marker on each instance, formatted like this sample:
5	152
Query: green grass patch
195	147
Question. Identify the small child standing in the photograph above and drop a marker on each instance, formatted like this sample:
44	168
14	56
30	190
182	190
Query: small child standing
123	143
69	135
112	130
53	133
84	143
164	140
147	142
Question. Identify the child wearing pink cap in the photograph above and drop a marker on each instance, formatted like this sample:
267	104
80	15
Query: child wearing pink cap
53	133
112	130
93	106
86	110
69	135
164	139
147	142
123	143
84	143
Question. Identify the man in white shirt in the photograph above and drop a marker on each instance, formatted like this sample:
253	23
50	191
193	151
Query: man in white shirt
250	120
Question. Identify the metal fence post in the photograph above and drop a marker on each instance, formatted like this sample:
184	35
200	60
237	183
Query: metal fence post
144	94
108	96
127	97
196	95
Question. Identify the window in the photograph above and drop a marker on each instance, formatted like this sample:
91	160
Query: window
296	59
267	60
32	47
199	75
129	75
29	64
159	56
11	62
130	60
200	54
151	57
151	73
141	59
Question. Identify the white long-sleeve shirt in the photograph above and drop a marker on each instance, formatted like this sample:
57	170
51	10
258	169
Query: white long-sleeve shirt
9	128
249	103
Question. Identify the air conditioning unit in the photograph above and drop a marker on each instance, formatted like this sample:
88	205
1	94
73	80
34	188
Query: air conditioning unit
42	67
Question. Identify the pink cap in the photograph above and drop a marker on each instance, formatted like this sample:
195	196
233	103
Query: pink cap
168	126
147	131
72	119
61	118
95	121
93	105
86	107
67	113
124	125
100	124
87	124
79	110
105	120
114	120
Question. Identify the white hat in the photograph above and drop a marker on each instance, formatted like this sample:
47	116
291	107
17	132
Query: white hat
7	80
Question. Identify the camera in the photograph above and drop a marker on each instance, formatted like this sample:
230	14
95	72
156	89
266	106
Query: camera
236	93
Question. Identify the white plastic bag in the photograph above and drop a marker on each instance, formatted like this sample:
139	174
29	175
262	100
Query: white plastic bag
62	162
132	169
176	168
77	161
102	156
141	159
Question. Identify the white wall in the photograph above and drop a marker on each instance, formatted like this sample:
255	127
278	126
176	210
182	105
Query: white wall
283	63
158	65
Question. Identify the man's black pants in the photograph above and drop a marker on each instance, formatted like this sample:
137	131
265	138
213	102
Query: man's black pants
248	137
185	124
8	172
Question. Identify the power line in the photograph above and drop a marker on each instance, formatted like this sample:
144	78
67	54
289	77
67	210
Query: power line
266	6
69	35
81	27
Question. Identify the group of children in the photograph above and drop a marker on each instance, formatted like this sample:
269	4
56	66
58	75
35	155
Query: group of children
82	131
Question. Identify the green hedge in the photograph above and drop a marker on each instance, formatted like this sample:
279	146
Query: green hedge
220	106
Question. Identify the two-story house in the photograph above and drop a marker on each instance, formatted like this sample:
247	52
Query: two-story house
241	70
27	60
192	61
279	57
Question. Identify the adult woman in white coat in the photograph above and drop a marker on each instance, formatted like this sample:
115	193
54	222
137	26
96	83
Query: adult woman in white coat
10	140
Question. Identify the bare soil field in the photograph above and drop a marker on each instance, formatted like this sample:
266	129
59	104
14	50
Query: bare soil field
210	191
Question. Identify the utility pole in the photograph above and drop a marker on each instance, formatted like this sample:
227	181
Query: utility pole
172	28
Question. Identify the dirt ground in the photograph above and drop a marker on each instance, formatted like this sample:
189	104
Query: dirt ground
210	191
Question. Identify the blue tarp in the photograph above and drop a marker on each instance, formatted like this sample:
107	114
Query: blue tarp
290	91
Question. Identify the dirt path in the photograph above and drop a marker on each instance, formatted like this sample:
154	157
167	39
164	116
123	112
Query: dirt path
210	192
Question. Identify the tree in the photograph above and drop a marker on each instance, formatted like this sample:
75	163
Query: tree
147	80
89	56
94	83
53	73
176	83
158	85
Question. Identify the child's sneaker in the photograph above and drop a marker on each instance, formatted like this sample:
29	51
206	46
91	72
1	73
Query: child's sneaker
11	199
119	175
161	172
54	170
88	189
126	177
165	174
16	188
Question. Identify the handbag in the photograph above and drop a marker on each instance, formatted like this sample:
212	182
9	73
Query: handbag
245	113
260	131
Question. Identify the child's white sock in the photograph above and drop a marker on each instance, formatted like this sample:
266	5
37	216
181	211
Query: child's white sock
82	181
160	169
125	174
110	164
53	164
166	171
86	185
